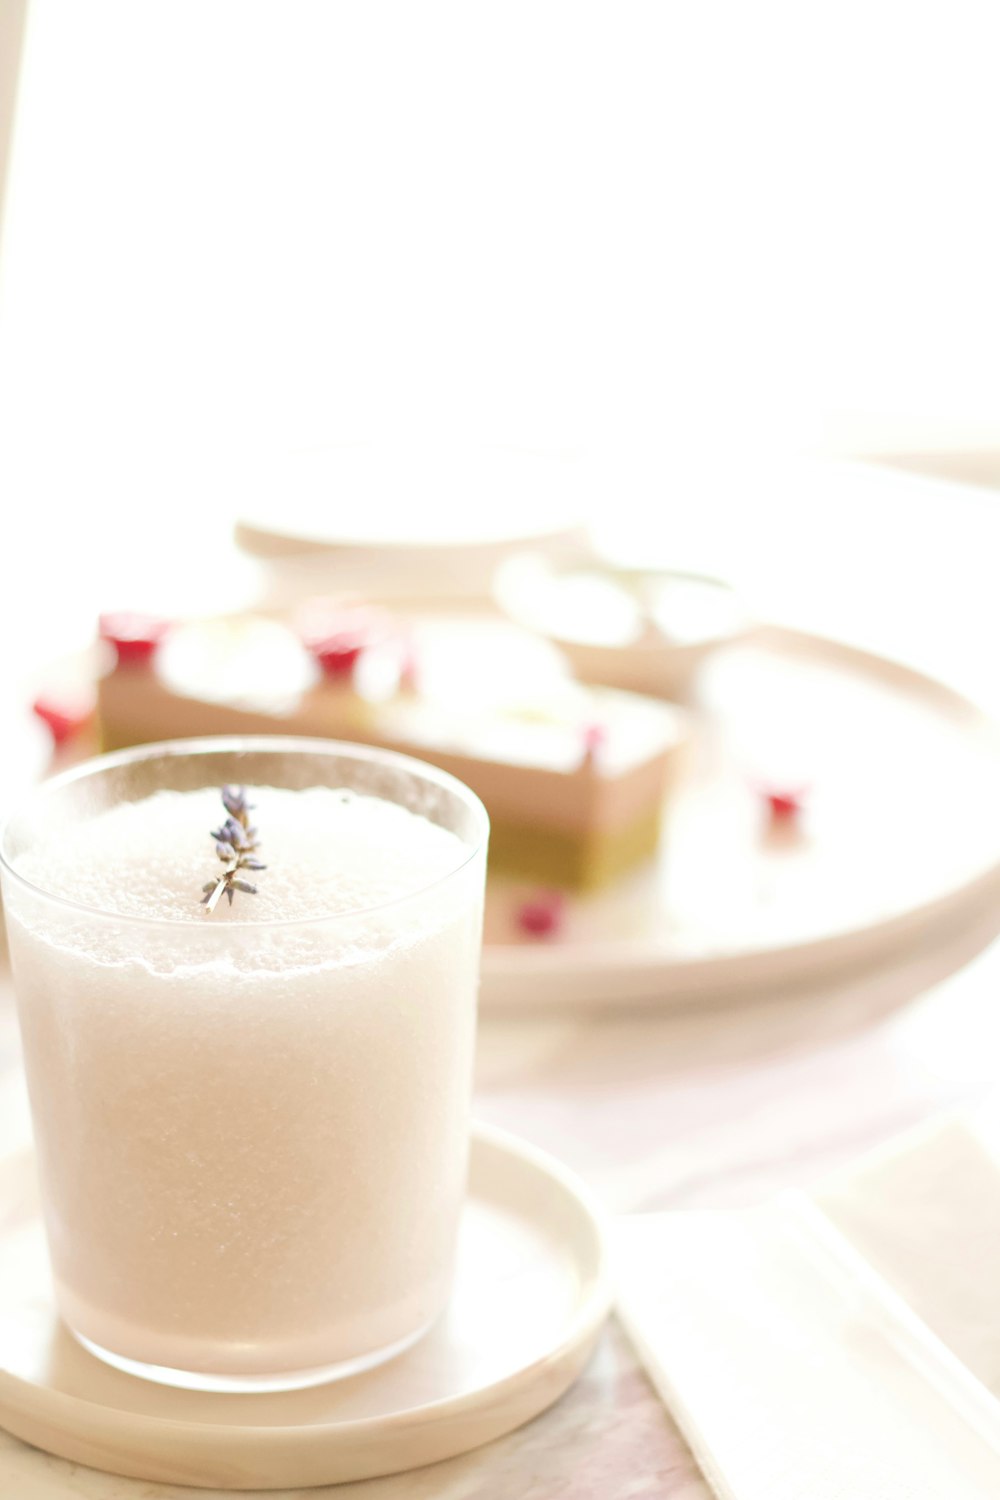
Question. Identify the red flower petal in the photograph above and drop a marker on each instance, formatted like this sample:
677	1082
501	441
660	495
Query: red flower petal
134	636
543	914
64	715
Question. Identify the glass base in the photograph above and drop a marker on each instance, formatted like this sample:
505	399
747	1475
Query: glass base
281	1380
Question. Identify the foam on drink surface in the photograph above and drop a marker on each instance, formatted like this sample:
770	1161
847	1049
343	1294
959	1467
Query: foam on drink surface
327	851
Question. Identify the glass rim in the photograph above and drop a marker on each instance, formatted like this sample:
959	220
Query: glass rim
236	744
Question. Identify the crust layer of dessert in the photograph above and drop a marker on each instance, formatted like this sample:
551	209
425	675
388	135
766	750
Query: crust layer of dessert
584	862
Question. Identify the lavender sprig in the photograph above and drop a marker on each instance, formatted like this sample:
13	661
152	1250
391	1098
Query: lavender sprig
236	845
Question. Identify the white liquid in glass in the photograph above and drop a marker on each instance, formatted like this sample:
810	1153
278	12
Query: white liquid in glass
251	1137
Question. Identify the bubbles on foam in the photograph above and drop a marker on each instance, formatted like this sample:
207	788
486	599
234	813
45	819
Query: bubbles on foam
328	851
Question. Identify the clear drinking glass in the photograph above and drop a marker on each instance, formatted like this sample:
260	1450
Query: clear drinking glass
251	1134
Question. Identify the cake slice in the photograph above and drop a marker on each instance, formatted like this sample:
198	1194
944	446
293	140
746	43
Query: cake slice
574	778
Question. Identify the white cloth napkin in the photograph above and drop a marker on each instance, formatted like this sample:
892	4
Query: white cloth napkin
843	1346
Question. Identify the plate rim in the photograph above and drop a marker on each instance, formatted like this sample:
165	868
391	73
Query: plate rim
647	970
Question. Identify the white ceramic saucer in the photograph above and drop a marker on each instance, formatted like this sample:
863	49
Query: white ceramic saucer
531	1293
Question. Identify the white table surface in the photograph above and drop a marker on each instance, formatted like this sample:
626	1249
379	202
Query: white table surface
703	1108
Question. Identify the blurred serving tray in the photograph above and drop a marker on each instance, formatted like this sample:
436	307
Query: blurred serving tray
892	867
894	863
382	518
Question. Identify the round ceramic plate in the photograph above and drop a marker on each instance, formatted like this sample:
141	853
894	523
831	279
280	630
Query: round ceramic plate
424	520
530	1296
897	853
897	848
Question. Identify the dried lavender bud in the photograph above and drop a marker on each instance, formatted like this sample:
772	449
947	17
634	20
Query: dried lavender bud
234	800
236	846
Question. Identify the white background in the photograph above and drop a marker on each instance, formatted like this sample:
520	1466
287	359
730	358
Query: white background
679	236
